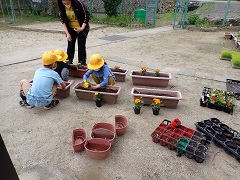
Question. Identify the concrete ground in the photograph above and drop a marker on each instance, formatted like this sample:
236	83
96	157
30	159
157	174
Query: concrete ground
39	141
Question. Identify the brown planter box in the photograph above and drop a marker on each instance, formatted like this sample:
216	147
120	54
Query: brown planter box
120	75
228	36
107	97
79	72
150	79
63	93
169	98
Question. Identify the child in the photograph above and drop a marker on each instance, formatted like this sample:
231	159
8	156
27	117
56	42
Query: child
101	73
63	68
44	85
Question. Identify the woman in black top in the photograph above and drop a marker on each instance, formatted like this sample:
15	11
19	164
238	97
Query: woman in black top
75	17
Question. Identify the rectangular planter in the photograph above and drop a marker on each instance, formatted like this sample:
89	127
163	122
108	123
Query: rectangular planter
169	98
120	75
79	72
63	93
150	79
107	97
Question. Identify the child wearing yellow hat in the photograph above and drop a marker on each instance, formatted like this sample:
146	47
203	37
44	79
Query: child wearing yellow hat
100	72
45	82
63	68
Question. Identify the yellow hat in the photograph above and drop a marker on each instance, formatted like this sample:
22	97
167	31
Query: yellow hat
50	57
61	53
96	62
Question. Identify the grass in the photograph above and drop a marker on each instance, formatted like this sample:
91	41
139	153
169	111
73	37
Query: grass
236	59
226	54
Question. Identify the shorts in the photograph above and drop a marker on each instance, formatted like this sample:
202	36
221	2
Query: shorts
38	101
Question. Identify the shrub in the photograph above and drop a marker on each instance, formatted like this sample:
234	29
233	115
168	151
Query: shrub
111	7
236	59
226	54
192	19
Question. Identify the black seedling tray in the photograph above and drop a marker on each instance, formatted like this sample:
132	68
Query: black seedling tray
222	135
196	147
233	86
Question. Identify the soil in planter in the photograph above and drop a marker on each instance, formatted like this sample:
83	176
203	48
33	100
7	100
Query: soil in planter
197	133
231	145
199	156
195	138
202	148
189	152
151	93
205	142
150	74
101	89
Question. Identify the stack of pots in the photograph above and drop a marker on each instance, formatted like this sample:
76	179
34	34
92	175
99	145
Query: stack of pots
102	137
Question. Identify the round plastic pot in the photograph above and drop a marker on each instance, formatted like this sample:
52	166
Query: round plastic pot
78	139
199	156
215	120
97	148
121	124
208	122
202	148
189	153
104	125
104	134
163	139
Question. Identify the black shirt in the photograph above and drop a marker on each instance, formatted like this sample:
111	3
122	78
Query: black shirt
61	65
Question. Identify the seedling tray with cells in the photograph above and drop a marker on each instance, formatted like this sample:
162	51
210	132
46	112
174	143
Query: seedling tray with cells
195	146
222	135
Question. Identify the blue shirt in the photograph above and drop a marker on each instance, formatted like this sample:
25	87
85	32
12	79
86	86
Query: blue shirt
40	93
104	73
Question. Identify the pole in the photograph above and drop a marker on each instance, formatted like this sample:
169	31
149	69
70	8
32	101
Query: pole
226	12
13	14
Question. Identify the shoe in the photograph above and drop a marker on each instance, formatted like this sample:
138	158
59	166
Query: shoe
52	104
25	104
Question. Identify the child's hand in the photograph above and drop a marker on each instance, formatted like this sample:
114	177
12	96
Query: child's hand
94	87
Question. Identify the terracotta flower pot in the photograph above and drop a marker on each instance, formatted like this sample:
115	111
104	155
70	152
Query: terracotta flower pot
169	98
121	124
120	75
103	130
150	79
63	93
97	148
78	139
109	93
78	72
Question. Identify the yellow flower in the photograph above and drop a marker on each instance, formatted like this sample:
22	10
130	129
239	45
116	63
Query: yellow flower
138	103
96	93
97	96
117	67
157	70
156	103
86	85
143	69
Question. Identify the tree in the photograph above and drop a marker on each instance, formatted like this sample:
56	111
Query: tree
111	7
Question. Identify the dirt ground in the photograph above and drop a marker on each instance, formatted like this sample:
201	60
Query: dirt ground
39	141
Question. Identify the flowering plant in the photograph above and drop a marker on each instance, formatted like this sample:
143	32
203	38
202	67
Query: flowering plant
116	68
97	96
156	103
229	102
79	65
143	71
86	85
157	72
138	103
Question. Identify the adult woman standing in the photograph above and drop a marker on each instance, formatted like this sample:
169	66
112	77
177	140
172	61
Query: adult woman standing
75	17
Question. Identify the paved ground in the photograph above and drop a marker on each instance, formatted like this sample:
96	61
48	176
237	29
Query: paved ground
39	141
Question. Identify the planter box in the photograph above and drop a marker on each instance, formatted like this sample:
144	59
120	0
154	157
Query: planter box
169	98
79	72
63	93
150	79
107	97
120	75
228	36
